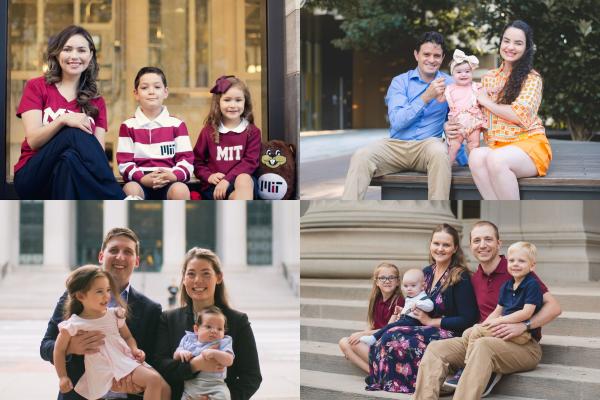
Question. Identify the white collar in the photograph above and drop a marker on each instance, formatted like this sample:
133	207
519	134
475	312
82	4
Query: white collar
238	129
162	118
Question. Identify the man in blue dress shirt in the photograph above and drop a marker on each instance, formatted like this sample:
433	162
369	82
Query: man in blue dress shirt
417	111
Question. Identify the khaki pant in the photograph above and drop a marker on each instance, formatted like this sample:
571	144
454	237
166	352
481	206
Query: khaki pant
488	354
479	331
392	155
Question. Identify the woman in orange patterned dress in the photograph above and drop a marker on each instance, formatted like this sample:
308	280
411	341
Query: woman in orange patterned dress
515	136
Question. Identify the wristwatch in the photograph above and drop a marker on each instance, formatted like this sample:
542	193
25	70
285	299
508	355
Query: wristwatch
528	325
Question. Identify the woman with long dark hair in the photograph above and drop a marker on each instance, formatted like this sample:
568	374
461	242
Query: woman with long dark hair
64	116
394	359
202	286
516	138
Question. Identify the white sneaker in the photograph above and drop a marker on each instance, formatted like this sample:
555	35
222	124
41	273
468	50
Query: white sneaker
133	197
370	340
495	378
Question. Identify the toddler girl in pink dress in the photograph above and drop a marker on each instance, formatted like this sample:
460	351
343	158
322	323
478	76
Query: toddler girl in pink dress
90	290
462	101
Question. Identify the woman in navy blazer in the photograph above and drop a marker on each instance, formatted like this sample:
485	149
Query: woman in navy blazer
394	359
202	286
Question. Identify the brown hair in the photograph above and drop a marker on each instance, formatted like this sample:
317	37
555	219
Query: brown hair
458	265
208	255
215	117
126	232
376	291
486	223
210	310
86	88
80	281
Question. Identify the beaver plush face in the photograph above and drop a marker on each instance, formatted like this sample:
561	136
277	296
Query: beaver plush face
276	171
273	158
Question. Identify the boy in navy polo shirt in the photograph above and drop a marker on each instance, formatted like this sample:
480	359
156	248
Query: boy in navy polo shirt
520	297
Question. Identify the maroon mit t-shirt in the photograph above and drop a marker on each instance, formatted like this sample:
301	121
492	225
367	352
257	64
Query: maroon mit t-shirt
383	310
487	287
38	95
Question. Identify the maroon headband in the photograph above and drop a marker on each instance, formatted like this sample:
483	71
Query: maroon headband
222	84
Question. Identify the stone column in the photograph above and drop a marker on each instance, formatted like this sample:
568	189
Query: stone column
59	235
115	215
173	235
286	233
342	239
9	232
566	233
231	235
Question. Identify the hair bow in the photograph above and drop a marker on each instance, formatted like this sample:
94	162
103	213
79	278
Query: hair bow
222	84
460	57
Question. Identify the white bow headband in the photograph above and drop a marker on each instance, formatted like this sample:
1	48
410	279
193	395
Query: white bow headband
459	57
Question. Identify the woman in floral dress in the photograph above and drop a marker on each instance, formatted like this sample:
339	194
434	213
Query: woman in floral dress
394	359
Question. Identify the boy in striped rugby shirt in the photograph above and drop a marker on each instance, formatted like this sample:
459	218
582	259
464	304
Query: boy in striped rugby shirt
154	152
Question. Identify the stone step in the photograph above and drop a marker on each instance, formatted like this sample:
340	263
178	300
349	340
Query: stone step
567	351
328	330
569	323
355	310
323	385
552	382
347	289
583	297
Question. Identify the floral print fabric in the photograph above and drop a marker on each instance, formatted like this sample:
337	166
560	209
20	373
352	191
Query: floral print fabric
526	106
394	359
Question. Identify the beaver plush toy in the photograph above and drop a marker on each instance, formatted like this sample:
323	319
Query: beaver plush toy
276	171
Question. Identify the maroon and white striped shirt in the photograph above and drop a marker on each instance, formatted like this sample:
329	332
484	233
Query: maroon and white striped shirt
146	145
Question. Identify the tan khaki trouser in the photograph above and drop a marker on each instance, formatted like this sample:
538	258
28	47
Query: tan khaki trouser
488	355
479	331
392	155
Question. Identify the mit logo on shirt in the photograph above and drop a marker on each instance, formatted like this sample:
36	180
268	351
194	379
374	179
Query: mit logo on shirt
167	149
229	153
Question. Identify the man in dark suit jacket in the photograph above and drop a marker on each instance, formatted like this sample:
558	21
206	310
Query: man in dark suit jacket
119	256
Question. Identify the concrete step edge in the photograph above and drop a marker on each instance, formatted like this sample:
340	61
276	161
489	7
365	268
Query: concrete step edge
578	289
333	302
362	305
359	325
354	385
571	341
346	283
333	323
554	352
332	349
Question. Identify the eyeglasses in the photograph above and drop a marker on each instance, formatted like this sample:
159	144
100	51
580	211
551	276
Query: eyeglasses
390	278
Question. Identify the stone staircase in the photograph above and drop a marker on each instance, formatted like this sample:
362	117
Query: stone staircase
332	309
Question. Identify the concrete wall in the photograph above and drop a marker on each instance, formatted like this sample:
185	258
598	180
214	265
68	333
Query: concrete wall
346	239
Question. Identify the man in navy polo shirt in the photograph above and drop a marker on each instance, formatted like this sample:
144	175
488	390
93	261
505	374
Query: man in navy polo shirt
417	111
490	357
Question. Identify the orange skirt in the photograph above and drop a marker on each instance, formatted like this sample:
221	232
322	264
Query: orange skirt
536	147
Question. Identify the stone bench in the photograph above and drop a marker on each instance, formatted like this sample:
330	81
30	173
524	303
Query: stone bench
574	174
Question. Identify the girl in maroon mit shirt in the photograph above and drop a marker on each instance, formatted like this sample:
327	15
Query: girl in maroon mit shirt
64	117
228	148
